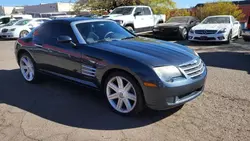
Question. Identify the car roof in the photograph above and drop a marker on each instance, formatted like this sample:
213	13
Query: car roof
75	19
221	16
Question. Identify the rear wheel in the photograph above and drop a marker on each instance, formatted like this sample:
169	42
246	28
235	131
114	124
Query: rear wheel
124	95
23	33
27	67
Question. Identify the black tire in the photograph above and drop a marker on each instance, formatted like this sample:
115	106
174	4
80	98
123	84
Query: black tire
130	28
22	33
139	104
36	77
229	39
246	39
184	34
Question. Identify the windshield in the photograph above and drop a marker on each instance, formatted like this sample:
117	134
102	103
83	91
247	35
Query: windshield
4	20
102	31
23	22
216	20
11	23
123	11
178	20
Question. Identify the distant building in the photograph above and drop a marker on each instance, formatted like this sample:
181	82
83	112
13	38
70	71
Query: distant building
6	10
49	8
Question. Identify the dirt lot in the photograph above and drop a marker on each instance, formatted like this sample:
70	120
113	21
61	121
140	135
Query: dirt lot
60	111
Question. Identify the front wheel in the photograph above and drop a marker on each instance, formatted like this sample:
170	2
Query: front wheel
124	95
23	33
229	38
184	34
129	28
246	39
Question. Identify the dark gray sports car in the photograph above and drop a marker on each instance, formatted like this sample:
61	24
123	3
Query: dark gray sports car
132	71
176	27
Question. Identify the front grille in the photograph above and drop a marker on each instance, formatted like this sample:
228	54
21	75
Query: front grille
204	38
194	68
205	32
4	30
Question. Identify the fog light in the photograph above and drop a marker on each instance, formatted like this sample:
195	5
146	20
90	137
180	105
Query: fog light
221	38
190	37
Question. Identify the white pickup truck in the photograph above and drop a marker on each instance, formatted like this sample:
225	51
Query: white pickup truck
136	18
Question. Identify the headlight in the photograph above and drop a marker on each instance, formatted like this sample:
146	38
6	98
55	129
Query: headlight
167	73
13	29
222	31
191	31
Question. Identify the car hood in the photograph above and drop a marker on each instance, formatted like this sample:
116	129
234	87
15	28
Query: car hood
149	51
172	24
116	16
211	26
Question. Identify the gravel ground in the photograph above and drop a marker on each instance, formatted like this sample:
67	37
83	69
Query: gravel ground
59	111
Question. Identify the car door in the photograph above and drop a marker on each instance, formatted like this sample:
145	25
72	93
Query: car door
235	27
139	22
61	59
148	18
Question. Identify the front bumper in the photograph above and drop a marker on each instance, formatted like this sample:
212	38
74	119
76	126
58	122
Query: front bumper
166	32
246	33
9	35
208	37
170	96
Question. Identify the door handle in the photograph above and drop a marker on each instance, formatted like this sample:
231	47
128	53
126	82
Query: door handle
38	45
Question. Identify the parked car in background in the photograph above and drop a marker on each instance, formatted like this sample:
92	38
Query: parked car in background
133	71
216	29
136	18
246	31
6	19
21	28
61	17
176	27
11	23
46	15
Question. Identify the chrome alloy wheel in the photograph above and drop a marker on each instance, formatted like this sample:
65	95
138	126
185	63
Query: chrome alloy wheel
121	94
27	68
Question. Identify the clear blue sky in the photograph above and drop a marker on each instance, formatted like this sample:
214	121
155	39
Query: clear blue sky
180	3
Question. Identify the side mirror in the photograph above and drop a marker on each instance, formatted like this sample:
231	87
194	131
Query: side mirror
236	22
64	39
137	13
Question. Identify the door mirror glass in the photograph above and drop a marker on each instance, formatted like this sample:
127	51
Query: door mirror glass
64	39
236	22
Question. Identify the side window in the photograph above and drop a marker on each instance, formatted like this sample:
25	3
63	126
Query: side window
139	11
62	29
233	19
146	11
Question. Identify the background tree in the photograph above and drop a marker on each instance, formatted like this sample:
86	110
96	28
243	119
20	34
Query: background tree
219	8
178	12
158	6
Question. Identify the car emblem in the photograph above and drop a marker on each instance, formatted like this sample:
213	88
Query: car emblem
195	61
205	32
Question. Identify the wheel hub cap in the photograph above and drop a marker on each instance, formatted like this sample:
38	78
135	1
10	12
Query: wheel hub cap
121	94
